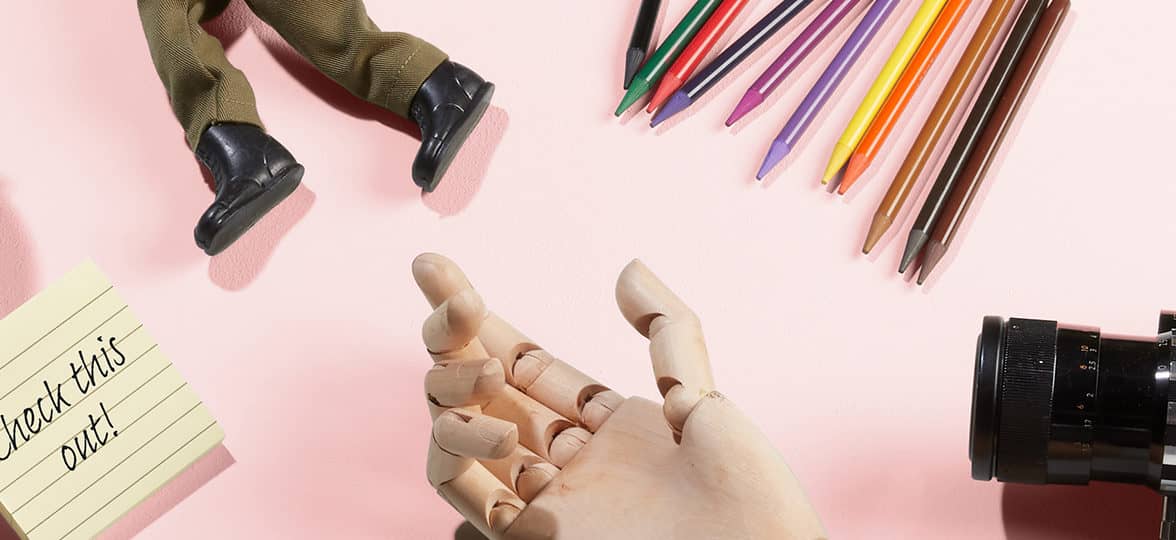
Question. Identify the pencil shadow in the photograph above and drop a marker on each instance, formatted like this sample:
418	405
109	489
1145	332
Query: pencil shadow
886	37
238	266
895	148
822	54
18	271
851	78
998	160
772	46
170	495
1098	511
888	168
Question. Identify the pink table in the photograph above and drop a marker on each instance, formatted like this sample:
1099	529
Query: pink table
303	340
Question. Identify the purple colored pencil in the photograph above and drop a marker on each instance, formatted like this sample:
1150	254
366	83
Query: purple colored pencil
730	58
797	51
827	84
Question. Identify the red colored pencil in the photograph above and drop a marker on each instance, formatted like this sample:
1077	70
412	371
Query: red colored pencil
692	55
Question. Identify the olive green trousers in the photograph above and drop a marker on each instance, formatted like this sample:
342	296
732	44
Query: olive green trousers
337	36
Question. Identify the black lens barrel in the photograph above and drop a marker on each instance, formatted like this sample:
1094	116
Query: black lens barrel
1026	387
1074	411
1063	405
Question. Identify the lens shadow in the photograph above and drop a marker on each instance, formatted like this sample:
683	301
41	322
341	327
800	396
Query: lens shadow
1098	511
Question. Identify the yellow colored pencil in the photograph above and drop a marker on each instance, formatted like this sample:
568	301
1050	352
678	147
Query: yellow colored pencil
876	97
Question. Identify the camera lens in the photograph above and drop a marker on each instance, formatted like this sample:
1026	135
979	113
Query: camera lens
1053	404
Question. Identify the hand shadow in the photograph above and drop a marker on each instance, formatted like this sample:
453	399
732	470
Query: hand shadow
467	531
17	269
1100	510
465	174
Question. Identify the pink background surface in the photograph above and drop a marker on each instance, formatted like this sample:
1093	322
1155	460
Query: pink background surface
304	338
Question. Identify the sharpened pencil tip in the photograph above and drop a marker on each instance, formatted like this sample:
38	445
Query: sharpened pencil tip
914	245
636	90
776	153
878	228
747	103
633	60
853	171
841	154
676	104
668	85
934	254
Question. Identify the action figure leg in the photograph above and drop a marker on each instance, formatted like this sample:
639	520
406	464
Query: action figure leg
394	70
203	87
215	104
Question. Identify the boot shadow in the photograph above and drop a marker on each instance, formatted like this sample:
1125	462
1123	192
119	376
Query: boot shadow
466	173
239	265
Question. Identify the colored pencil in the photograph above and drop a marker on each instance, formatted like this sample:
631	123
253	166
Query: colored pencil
904	90
965	144
886	80
936	126
990	141
698	48
651	72
732	56
816	99
641	39
797	51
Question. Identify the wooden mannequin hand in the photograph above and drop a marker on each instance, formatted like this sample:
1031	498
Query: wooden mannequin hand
526	446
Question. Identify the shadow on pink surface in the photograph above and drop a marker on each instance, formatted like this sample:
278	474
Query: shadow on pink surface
1097	511
993	174
362	473
465	174
159	503
466	531
237	18
17	270
240	264
162	501
464	178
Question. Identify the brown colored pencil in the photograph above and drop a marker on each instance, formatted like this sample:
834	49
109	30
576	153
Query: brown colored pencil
937	123
1010	102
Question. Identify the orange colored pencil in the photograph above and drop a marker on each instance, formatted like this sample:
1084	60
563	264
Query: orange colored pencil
903	91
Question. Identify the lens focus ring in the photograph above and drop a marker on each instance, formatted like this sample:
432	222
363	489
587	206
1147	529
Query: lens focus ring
1026	388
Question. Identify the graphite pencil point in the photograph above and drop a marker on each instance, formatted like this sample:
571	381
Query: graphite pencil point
633	60
913	246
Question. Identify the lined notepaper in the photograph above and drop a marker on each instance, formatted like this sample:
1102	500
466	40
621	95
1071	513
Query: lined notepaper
95	418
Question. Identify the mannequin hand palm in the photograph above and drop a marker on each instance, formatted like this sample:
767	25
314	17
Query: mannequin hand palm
526	446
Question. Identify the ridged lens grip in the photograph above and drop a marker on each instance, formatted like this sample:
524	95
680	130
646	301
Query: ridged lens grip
1026	389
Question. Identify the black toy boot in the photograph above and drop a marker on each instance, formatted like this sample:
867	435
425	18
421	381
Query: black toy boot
253	173
447	107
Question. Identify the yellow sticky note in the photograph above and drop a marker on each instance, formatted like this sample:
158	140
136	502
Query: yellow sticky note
95	417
